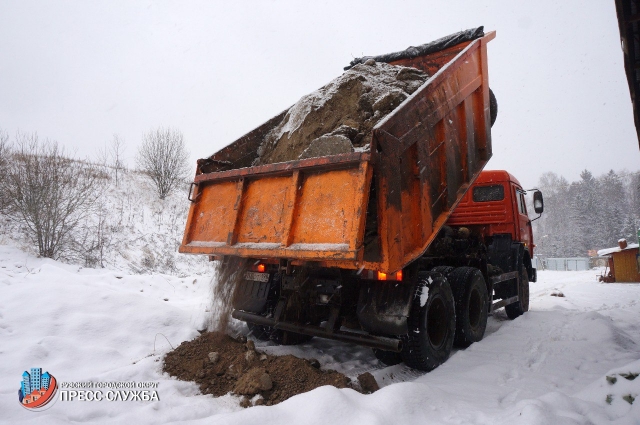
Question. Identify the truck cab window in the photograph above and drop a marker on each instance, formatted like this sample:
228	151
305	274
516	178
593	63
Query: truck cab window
488	193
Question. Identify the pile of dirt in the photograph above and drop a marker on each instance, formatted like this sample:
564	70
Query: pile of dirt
222	365
340	115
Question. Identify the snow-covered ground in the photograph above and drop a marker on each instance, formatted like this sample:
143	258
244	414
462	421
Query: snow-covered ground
546	367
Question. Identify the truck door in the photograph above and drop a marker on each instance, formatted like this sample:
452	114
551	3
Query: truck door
523	224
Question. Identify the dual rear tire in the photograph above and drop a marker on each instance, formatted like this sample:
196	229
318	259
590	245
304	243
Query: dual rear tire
472	305
450	307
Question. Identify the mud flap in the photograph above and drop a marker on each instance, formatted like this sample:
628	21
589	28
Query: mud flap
251	295
383	307
534	275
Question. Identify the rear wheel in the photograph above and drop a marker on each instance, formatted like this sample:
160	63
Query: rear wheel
522	305
431	323
472	305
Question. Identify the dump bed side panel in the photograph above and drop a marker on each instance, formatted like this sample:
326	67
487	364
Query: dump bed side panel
428	152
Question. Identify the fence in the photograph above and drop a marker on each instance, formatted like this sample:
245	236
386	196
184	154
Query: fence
563	264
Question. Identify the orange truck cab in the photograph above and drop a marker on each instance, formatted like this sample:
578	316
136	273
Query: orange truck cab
495	207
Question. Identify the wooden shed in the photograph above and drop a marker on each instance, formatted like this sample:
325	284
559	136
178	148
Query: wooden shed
624	263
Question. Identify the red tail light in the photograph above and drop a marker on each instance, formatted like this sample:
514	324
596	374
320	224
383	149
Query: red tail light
378	275
258	267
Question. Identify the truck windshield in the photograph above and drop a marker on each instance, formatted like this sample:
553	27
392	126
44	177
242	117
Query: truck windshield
488	193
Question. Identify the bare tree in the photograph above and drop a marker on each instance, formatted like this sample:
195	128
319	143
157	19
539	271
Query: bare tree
164	158
93	239
102	157
111	156
4	147
49	193
116	154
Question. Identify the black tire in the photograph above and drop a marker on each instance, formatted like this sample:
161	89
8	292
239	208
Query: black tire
387	357
493	107
431	323
522	305
472	305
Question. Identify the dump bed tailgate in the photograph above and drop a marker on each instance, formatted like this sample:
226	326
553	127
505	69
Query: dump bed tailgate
309	210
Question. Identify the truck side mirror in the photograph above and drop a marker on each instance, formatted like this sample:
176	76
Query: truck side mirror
538	202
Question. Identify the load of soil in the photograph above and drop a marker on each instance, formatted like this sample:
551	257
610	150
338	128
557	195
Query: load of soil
221	365
341	115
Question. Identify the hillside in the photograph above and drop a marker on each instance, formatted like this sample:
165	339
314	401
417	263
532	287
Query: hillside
130	230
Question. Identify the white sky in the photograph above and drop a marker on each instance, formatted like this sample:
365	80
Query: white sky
80	71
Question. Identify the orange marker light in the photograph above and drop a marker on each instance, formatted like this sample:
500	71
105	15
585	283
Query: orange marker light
261	268
399	275
382	276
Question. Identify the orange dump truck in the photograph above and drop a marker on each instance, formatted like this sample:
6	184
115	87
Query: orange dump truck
355	246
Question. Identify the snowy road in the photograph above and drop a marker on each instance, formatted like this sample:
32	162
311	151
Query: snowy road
546	367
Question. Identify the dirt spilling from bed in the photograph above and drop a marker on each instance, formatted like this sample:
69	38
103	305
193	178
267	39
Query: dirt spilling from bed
220	365
227	275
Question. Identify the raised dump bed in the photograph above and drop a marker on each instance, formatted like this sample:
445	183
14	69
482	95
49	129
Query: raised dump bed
377	209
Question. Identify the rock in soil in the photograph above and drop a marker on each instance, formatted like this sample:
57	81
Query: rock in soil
253	382
329	144
250	356
214	357
275	379
245	402
368	383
